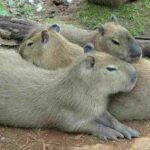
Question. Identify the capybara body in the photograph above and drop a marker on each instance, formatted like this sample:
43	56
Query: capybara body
48	49
111	38
136	104
73	99
118	107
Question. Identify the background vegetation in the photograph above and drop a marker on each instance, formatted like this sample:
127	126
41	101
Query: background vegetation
134	16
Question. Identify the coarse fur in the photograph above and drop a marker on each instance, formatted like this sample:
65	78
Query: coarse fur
131	101
52	53
136	104
110	37
72	99
113	3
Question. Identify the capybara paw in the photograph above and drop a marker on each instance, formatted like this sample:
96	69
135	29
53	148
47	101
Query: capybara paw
128	132
110	134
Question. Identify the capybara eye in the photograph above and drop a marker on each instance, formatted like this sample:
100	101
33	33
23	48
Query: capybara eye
115	42
111	68
30	44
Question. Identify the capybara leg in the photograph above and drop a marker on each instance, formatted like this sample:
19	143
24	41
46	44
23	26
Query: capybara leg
99	130
108	120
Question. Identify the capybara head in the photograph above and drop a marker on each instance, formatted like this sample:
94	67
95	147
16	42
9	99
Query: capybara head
106	71
38	41
48	49
116	40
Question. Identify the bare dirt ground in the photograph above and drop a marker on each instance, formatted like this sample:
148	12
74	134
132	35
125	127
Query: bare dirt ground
63	12
50	139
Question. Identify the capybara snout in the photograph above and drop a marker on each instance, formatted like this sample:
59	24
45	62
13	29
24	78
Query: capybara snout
133	75
135	51
130	74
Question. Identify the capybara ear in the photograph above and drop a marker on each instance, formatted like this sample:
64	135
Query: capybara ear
44	36
55	27
101	29
90	62
89	48
114	19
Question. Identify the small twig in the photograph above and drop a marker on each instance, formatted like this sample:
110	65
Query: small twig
44	146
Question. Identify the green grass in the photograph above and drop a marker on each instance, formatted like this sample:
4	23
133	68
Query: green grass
133	16
3	10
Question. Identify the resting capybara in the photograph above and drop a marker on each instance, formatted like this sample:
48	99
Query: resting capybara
136	97
48	49
110	37
73	99
112	3
136	104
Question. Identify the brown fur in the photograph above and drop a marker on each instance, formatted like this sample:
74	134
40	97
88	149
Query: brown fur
136	104
122	107
115	108
56	53
110	37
